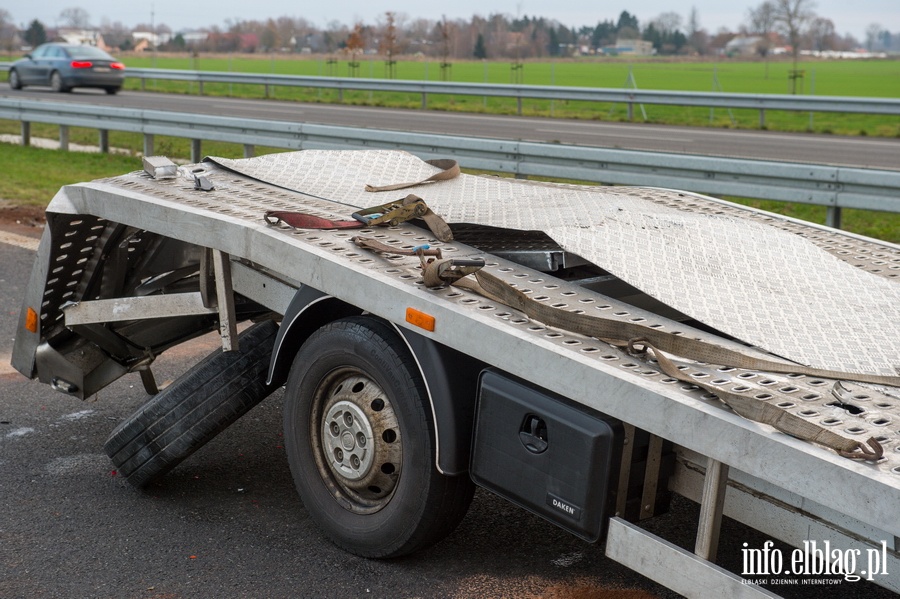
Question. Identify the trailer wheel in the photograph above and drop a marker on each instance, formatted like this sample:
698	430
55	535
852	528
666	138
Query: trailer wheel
195	408
361	444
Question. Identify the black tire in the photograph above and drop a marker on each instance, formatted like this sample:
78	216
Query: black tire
14	81
195	408
56	83
112	91
392	500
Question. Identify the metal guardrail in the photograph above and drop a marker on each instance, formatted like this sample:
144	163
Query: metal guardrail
832	186
629	97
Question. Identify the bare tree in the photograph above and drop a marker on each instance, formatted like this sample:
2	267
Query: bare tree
355	45
873	32
697	36
75	17
822	35
762	23
8	33
389	45
792	16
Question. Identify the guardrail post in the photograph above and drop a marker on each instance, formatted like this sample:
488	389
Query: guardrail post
26	133
833	217
148	144
143	84
200	88
267	91
519	105
64	138
103	141
762	118
249	150
630	111
195	150
424	100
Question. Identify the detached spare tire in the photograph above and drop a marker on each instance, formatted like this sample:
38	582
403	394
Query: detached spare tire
195	408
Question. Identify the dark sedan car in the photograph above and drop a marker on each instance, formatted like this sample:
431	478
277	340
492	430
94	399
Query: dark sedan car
64	66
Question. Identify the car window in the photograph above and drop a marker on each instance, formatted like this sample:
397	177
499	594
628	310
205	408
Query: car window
40	51
56	52
88	52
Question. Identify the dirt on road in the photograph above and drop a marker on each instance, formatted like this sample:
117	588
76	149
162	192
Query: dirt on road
22	220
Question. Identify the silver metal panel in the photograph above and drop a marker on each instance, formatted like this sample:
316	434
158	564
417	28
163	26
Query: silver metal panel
230	219
668	564
135	308
262	287
772	289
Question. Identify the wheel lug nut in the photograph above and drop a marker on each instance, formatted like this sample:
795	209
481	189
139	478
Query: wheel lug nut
360	439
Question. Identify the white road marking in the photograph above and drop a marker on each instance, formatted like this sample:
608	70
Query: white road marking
76	415
19	432
601	133
88	462
28	243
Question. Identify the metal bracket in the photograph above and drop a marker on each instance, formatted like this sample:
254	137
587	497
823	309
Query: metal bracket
715	484
215	271
225	300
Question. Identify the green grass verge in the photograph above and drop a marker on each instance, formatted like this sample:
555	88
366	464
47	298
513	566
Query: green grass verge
32	176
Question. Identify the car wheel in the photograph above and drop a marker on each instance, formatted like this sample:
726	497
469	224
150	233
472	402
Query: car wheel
112	90
195	408
360	441
14	81
56	83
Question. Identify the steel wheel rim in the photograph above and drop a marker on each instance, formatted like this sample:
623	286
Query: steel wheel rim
356	440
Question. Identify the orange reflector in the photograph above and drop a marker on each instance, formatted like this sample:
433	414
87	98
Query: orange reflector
420	319
31	320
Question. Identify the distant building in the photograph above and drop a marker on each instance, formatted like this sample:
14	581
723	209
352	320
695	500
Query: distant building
79	37
625	47
145	40
194	38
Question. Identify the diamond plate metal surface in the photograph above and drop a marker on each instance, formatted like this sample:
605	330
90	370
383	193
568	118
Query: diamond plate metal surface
759	283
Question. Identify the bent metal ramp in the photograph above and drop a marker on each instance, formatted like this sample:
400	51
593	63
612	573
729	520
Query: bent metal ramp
768	287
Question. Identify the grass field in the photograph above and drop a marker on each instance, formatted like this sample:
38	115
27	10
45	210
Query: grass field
879	78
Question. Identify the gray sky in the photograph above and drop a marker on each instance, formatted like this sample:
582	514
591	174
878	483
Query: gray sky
848	16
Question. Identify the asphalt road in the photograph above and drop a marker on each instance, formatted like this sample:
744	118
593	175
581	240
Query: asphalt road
228	523
882	153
